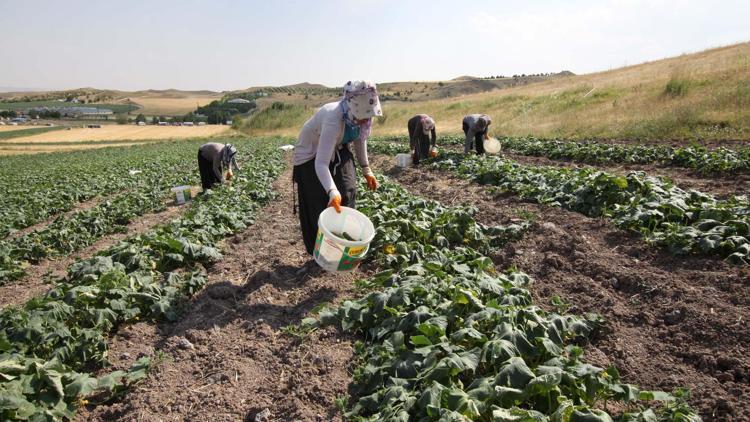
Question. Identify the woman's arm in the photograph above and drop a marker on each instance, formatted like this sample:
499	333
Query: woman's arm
360	148
326	148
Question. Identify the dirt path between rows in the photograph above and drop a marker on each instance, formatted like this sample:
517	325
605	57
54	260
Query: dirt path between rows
38	277
671	321
228	358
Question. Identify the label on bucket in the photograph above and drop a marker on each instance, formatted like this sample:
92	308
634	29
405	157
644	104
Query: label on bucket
331	257
351	258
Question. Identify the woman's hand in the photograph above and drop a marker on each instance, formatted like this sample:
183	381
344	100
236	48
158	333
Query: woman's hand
372	183
334	200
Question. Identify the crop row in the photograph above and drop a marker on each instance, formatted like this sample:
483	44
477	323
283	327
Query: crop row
684	221
146	192
699	158
449	338
41	186
715	161
51	348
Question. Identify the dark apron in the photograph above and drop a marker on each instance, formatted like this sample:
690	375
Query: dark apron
313	199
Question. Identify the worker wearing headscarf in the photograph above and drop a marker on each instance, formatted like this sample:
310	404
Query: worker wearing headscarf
213	160
323	162
475	128
421	136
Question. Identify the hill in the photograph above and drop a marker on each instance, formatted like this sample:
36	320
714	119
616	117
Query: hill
698	95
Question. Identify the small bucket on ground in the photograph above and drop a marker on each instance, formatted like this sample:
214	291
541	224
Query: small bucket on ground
183	194
403	160
492	146
343	239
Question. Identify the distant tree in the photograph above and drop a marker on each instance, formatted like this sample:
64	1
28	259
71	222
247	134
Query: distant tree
154	120
121	119
140	118
441	83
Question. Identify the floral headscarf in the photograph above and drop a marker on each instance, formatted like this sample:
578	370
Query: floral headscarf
360	101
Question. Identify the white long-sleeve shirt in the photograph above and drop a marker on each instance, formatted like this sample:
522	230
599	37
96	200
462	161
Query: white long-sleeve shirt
319	139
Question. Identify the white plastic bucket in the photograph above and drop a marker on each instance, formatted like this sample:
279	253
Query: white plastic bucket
492	146
403	160
183	194
333	252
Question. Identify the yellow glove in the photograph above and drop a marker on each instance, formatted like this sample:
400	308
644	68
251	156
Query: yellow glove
433	152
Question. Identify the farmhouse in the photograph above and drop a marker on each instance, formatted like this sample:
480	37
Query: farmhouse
86	112
238	101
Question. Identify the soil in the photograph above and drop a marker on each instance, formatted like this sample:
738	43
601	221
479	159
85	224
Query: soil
39	277
229	357
670	321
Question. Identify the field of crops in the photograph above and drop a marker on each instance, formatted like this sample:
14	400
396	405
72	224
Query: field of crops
54	344
25	105
478	301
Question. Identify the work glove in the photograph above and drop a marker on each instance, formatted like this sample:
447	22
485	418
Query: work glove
372	183
433	152
334	200
229	175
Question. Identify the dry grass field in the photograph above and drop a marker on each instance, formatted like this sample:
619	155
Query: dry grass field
19	127
157	106
700	95
111	135
120	132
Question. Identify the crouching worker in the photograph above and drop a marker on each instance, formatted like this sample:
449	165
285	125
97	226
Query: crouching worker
475	128
215	159
323	162
421	136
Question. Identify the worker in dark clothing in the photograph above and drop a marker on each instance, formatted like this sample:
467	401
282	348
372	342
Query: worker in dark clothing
475	128
213	160
421	136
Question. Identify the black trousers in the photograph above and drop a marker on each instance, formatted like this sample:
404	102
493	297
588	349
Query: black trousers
422	151
313	199
478	139
208	177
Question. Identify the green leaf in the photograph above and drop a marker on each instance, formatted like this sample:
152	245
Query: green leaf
420	340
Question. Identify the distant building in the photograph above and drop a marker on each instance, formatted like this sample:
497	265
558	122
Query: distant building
187	123
238	101
79	112
163	124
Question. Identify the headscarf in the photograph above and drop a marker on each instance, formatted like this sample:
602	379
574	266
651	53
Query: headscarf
227	155
360	101
427	124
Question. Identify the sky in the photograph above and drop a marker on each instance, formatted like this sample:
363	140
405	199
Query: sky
227	45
